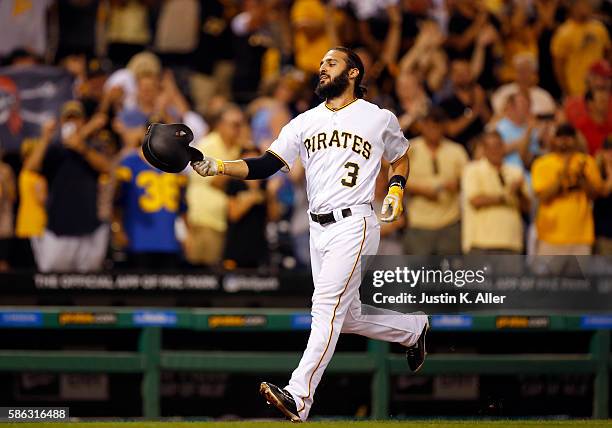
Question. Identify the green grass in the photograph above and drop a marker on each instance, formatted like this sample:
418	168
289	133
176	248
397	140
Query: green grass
325	424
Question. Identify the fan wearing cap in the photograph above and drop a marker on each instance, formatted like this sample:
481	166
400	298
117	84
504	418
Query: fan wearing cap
602	208
592	113
565	181
74	238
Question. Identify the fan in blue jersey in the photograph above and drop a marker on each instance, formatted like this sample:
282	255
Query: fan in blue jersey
148	204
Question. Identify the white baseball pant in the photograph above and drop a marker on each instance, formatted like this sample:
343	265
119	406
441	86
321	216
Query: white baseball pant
336	251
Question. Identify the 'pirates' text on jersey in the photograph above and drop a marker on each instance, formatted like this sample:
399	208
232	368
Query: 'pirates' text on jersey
341	151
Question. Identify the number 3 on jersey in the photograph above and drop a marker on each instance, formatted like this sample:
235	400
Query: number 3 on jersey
351	175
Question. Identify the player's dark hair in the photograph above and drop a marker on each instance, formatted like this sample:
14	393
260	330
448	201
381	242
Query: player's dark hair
353	61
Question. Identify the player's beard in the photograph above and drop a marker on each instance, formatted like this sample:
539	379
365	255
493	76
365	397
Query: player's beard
335	87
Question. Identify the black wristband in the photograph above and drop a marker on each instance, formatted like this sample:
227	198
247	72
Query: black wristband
398	180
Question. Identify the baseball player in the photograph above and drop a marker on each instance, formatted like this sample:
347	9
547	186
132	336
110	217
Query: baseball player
340	143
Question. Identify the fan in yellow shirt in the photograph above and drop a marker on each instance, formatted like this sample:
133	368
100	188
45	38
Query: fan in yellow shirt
32	189
565	181
495	194
578	42
206	197
312	38
31	215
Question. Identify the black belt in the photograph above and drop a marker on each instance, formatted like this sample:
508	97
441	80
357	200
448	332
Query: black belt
327	218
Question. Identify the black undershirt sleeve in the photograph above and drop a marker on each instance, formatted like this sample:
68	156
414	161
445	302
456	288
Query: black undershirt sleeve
263	166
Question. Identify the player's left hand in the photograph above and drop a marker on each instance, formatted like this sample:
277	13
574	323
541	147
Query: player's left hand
392	205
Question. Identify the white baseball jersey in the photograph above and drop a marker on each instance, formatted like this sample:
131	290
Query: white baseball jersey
341	151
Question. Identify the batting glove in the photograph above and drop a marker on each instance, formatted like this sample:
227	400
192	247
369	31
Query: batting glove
208	166
392	205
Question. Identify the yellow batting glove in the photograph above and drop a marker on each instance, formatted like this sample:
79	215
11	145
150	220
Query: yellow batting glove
208	166
392	205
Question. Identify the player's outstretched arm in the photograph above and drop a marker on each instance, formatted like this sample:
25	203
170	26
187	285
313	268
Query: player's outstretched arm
247	169
210	166
392	207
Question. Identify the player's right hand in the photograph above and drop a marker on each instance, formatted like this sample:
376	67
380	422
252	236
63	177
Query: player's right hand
208	166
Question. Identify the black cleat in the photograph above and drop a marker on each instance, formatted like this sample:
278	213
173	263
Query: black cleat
415	355
280	399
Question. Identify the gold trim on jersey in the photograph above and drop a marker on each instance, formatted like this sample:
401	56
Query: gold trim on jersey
331	331
341	107
279	158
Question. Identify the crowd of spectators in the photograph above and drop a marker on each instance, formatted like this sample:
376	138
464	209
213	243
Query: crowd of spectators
507	103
